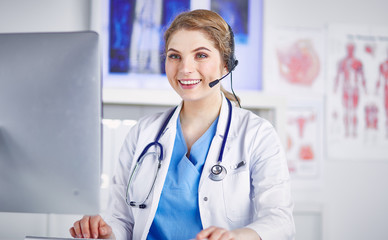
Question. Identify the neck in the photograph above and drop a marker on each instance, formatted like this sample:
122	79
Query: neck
204	111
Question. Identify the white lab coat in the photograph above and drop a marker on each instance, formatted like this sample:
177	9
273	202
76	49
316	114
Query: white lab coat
256	195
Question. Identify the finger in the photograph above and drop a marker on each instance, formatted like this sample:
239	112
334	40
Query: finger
211	233
72	232
105	231
227	235
77	229
205	233
216	234
85	227
94	225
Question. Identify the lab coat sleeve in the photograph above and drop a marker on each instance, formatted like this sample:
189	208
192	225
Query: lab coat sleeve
119	215
271	194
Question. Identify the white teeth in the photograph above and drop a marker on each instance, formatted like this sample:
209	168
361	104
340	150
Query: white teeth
189	82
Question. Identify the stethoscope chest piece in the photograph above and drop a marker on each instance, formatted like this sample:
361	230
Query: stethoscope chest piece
217	172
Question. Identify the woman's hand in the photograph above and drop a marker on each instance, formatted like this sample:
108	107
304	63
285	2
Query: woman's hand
217	233
91	227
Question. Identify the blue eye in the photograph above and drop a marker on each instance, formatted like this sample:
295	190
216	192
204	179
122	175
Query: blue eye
201	55
174	56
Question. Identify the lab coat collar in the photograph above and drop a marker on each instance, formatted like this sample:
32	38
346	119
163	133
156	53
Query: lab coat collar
221	124
223	118
172	123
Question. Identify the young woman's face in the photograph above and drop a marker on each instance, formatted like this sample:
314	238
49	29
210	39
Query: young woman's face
192	63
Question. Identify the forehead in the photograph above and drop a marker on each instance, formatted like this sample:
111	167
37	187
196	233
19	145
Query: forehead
190	39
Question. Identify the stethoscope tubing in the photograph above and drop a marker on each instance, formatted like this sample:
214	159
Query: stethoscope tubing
215	177
226	132
156	142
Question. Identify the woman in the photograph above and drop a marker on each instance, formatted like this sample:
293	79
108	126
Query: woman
248	194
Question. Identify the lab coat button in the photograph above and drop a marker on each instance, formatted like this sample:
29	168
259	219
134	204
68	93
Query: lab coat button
205	199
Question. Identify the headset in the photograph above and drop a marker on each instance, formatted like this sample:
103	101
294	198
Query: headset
232	61
231	65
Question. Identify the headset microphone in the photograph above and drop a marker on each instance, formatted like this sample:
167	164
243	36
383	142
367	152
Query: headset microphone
213	83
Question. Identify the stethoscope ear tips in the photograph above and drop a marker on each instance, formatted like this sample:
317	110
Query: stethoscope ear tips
217	172
142	206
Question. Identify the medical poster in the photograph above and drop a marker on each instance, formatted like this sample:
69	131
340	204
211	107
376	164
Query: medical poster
295	61
357	92
245	18
133	45
133	41
236	15
304	140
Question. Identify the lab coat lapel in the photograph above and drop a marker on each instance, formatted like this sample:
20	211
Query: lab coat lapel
216	144
167	140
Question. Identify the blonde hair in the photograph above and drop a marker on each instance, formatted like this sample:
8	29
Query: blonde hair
215	27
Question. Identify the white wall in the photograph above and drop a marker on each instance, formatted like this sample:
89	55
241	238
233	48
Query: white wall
354	194
44	15
353	199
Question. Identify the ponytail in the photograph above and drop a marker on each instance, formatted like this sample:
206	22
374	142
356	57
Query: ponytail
230	96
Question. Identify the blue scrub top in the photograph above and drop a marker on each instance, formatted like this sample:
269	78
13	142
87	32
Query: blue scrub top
177	216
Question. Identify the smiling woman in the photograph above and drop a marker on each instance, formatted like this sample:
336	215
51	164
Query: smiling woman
192	63
204	169
216	31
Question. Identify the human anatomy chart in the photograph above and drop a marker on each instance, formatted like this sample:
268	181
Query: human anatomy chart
357	92
304	141
296	61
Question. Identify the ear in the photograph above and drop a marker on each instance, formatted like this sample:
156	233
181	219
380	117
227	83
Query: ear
225	69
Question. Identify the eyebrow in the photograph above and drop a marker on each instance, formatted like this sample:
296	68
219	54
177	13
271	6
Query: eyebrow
201	48
172	49
195	50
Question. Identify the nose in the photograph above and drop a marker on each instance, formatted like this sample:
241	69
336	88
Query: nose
187	65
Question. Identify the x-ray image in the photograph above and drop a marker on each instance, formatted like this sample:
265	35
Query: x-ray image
136	34
235	14
134	51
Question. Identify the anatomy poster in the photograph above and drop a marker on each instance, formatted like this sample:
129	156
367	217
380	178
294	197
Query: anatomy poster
132	36
296	61
357	92
304	140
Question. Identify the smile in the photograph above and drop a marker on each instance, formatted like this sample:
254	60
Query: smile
189	82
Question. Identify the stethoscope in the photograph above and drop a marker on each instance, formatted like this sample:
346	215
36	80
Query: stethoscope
217	172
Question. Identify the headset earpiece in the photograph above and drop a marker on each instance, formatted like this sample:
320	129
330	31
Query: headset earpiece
232	62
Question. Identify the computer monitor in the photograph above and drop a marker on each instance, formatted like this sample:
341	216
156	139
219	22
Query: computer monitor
50	122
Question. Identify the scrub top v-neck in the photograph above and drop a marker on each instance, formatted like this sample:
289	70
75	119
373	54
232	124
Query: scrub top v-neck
177	216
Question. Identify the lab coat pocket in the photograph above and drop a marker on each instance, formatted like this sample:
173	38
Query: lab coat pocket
236	190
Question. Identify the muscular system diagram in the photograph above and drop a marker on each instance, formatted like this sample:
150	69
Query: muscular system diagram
350	73
383	80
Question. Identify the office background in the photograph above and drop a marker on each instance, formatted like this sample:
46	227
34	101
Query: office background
350	200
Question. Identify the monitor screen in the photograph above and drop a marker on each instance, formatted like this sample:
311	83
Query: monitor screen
50	122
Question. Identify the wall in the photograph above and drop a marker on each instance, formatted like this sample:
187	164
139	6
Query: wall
44	15
351	204
354	194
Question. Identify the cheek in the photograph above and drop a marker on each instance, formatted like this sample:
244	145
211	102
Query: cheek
170	71
211	70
